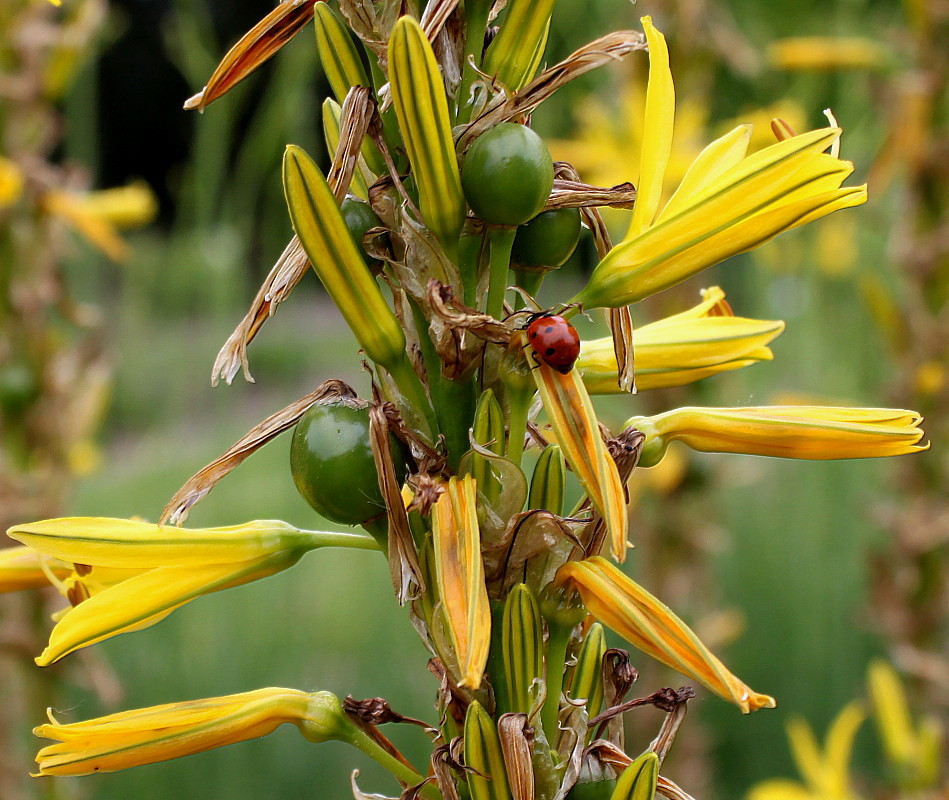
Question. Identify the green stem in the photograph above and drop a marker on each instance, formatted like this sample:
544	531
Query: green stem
476	23
556	664
353	541
365	744
378	528
518	407
469	259
413	395
453	400
530	280
500	240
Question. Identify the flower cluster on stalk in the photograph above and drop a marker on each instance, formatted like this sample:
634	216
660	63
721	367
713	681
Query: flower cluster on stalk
508	585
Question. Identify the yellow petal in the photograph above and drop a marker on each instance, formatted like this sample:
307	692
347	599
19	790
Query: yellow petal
146	599
159	733
891	713
743	208
657	132
642	620
713	162
98	231
460	577
680	352
573	419
11	182
23	568
255	47
809	432
825	53
131	544
839	748
129	206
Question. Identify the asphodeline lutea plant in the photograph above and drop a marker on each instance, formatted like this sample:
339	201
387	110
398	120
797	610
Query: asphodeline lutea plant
440	197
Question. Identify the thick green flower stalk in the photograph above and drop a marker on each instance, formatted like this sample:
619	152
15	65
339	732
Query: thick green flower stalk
479	419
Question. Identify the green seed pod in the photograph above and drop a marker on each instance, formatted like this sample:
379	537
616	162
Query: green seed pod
587	679
360	218
483	754
507	174
638	781
548	481
523	647
592	790
332	465
548	240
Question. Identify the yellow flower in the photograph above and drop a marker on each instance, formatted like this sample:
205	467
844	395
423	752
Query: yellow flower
128	575
825	774
683	348
810	432
97	215
825	53
160	733
646	623
727	203
11	182
24	568
913	752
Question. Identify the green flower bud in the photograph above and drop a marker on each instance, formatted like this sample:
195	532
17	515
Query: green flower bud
548	481
483	754
638	781
523	647
587	680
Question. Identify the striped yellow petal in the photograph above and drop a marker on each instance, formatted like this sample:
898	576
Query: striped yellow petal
257	46
714	161
657	132
131	544
160	733
638	781
23	568
680	352
459	574
322	231
573	419
586	680
516	51
147	598
643	621
483	754
522	640
421	107
783	186
809	432
337	52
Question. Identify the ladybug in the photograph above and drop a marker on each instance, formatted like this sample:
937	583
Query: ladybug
554	340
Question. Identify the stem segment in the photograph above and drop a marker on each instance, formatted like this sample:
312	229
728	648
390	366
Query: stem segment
500	240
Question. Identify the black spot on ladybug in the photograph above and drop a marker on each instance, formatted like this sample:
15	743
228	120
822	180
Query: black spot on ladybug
549	351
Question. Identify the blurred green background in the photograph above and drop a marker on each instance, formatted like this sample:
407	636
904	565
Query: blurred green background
782	545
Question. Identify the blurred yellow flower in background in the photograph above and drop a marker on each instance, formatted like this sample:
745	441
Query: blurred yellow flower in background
826	773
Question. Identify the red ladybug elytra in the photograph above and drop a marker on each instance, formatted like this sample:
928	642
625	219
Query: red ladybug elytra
554	340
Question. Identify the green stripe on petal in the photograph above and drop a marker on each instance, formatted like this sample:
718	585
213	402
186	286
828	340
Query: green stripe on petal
421	106
322	231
